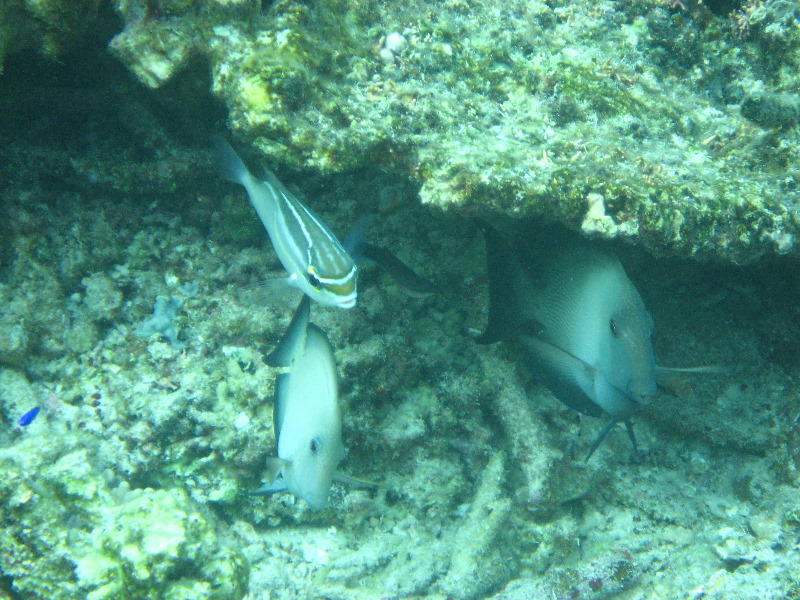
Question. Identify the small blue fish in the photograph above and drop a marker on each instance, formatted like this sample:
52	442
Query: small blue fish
28	417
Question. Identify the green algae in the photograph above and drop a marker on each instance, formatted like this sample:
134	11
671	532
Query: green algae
475	103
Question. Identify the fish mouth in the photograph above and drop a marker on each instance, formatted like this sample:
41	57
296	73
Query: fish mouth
642	391
640	399
347	303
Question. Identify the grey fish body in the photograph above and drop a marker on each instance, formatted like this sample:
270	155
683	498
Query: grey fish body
308	250
307	415
591	311
582	323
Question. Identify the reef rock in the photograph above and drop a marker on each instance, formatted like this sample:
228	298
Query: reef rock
650	121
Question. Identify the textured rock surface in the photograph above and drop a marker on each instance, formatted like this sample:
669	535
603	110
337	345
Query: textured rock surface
50	27
668	126
147	450
620	119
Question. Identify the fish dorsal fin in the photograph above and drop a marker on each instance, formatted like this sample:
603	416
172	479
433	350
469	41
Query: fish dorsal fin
295	337
504	272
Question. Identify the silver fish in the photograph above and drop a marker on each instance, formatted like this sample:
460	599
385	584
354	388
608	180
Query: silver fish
582	323
315	260
308	421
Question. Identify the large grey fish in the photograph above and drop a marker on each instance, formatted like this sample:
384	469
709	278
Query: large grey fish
308	420
582	323
315	260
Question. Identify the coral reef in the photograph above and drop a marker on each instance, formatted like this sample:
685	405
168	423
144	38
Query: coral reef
47	26
644	121
477	564
110	541
483	491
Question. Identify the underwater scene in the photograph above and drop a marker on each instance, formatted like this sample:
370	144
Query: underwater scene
366	300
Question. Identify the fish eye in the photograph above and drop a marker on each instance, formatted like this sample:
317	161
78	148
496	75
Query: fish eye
312	279
613	325
314	446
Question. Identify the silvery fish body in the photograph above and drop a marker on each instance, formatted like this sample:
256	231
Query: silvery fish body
308	422
582	323
315	260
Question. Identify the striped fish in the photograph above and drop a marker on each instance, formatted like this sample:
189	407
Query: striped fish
315	260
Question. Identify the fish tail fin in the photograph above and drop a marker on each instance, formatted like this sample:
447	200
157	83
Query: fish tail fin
502	271
229	165
354	242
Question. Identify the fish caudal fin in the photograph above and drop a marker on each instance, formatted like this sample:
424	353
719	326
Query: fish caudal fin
229	165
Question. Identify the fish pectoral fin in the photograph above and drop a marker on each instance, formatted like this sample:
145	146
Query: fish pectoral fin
569	378
353	481
270	488
274	467
274	484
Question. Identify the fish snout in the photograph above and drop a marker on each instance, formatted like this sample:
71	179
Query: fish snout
349	302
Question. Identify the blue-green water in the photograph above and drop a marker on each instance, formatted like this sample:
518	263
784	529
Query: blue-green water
669	130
